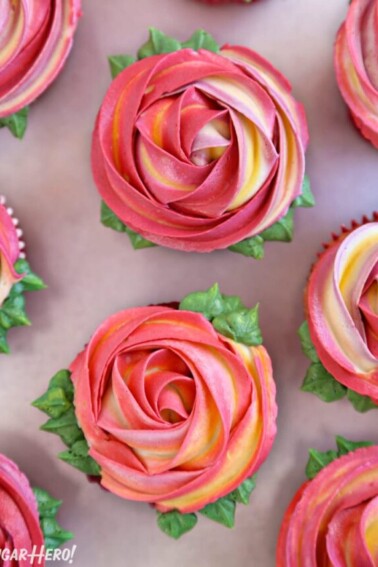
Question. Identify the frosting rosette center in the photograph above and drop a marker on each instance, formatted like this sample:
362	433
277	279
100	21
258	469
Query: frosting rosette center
174	413
199	150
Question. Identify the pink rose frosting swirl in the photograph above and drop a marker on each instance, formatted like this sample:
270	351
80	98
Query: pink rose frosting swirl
19	519
333	519
196	150
342	309
9	253
356	62
35	40
174	413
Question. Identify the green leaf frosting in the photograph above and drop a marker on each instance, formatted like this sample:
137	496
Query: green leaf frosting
175	524
361	403
252	247
201	40
110	220
48	507
306	342
16	122
58	404
306	199
320	382
318	460
118	63
282	230
222	511
12	311
157	44
228	314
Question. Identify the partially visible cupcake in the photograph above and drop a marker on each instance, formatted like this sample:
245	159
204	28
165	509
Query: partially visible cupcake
199	147
333	518
16	276
356	63
174	406
340	335
29	530
36	38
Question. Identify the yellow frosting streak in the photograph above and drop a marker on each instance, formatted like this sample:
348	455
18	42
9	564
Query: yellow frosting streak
6	53
150	167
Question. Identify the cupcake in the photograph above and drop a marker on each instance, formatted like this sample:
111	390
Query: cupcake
173	405
36	38
356	63
340	335
29	531
16	276
333	518
199	147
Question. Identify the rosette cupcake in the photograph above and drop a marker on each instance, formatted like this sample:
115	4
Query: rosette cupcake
16	276
29	531
173	405
333	519
356	63
36	38
200	148
340	335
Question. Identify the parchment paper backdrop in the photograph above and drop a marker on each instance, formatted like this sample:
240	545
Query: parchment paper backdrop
92	271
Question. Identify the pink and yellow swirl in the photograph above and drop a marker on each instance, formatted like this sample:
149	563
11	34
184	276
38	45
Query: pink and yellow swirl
333	519
196	150
342	309
174	413
356	63
19	519
35	40
9	254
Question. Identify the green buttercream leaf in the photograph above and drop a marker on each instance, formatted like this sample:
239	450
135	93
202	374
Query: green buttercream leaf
201	40
306	342
118	63
157	44
138	242
209	302
30	281
252	247
345	446
175	524
65	426
282	230
221	511
54	402
13	309
241	326
306	199
321	383
4	347
318	461
48	508
361	403
77	456
110	220
16	122
54	534
243	492
47	505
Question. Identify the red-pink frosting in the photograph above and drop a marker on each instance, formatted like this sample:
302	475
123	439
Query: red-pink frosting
35	39
9	253
174	413
19	519
356	63
333	519
342	309
196	150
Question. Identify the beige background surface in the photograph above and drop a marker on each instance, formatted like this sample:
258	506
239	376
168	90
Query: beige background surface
92	271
